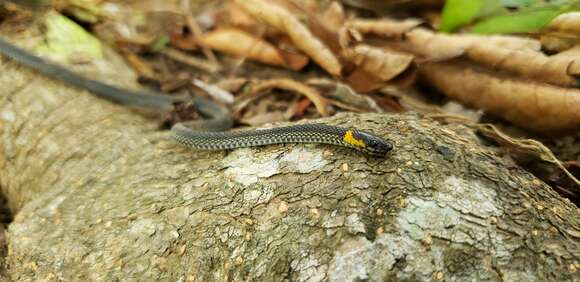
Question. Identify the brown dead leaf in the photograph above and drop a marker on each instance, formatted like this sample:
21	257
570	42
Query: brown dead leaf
233	15
333	17
192	61
438	45
554	42
384	28
363	81
290	85
232	85
530	64
567	23
278	17
562	33
196	30
379	6
240	44
535	106
345	95
214	91
261	87
300	107
142	68
513	54
382	63
433	45
573	56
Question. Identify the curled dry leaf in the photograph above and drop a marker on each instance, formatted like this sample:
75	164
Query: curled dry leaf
513	54
437	45
214	91
382	63
428	43
530	64
565	23
142	68
192	61
562	33
278	17
333	17
260	87
384	28
240	44
535	106
573	56
346	95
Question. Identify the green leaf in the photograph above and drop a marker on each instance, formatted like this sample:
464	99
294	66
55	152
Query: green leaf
159	43
458	13
67	41
519	22
517	3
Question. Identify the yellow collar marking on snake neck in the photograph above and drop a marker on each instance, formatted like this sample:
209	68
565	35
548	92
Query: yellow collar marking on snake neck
350	139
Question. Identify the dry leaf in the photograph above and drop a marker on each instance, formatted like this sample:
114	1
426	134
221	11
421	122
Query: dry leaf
333	17
363	81
290	85
573	54
384	28
264	86
240	44
535	106
192	61
514	54
214	91
554	42
568	23
437	45
278	17
530	64
562	33
142	68
346	95
428	43
233	15
382	63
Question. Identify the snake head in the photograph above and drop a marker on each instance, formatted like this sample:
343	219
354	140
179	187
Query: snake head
375	146
366	142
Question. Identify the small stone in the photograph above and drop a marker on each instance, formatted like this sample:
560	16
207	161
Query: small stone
181	250
439	275
239	260
428	240
403	203
380	211
283	207
344	167
315	212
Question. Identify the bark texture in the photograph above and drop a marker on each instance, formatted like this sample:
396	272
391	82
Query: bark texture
99	194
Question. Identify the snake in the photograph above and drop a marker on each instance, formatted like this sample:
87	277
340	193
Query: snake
212	131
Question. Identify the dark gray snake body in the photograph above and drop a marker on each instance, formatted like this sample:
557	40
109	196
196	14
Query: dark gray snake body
216	117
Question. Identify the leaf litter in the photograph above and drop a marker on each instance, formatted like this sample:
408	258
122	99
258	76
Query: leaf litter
284	60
